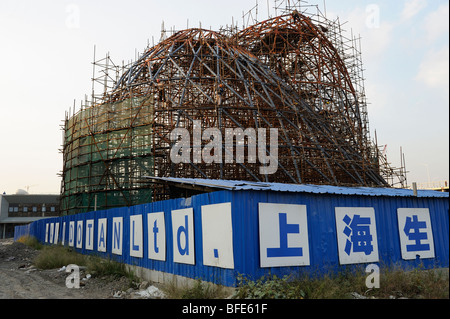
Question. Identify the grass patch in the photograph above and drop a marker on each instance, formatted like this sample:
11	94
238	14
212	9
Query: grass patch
418	284
102	267
30	241
51	257
394	283
199	290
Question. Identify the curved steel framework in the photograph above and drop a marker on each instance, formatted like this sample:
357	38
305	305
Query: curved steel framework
298	50
283	73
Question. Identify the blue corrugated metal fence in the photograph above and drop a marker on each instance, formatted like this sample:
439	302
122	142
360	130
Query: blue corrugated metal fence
204	237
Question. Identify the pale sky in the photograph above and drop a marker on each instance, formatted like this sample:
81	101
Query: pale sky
46	50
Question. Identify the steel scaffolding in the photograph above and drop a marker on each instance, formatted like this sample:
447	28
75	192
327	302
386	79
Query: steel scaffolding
295	72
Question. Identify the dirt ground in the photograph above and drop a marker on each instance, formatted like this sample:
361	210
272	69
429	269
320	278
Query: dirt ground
19	279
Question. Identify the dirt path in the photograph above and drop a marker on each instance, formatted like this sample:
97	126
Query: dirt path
16	284
19	279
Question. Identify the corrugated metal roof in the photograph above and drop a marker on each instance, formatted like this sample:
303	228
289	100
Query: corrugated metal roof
21	220
31	198
301	188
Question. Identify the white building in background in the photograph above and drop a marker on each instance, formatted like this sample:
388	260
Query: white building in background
23	208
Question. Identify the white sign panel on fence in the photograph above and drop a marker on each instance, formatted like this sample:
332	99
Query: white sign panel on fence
117	235
56	235
47	232
416	235
79	234
63	236
183	236
51	230
101	236
136	240
89	241
283	235
71	233
217	235
357	235
156	236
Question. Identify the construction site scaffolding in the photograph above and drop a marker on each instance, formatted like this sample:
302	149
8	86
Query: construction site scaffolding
295	72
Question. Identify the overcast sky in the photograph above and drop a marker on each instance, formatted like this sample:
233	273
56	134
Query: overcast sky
46	50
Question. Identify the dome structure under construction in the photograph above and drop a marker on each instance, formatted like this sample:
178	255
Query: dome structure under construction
273	102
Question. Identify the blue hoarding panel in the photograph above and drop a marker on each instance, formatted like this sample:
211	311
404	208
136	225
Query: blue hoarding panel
323	244
218	236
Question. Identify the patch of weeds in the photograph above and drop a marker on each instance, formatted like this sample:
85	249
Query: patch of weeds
51	257
268	287
200	290
417	283
30	241
101	267
394	283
